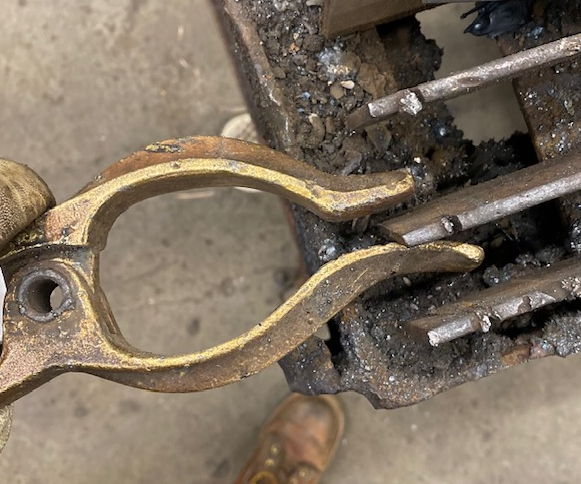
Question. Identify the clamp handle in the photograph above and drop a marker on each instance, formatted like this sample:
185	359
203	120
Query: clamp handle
202	162
62	249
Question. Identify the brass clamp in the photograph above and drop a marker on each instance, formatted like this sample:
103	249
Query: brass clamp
61	249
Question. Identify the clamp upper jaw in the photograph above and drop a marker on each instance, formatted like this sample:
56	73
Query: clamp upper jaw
79	333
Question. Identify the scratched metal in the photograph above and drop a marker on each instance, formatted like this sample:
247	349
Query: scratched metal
61	249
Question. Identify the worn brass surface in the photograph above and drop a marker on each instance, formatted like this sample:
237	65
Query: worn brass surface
62	249
199	162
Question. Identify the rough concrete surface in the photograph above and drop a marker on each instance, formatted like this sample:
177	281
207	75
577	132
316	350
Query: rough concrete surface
84	83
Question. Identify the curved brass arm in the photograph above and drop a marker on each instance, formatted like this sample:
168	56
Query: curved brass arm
85	220
82	336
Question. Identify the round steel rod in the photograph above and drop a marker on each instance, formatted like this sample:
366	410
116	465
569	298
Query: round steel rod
412	100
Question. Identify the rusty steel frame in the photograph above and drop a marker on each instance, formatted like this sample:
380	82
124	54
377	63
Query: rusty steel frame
362	340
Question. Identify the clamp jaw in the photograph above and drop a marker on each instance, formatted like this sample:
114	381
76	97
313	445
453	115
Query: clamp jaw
61	249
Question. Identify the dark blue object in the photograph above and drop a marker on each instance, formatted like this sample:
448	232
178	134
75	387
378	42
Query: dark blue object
497	18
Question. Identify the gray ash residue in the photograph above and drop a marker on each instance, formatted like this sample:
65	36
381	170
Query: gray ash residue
327	79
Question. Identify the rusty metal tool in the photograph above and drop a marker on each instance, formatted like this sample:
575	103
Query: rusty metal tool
480	312
486	202
61	249
412	100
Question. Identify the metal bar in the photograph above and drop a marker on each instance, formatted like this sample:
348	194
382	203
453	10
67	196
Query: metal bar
489	201
492	306
412	100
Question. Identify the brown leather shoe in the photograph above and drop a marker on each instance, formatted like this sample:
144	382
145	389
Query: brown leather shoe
297	443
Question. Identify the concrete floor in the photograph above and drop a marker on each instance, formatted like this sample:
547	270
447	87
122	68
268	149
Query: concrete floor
84	83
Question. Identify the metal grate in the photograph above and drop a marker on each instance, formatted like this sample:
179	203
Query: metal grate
367	102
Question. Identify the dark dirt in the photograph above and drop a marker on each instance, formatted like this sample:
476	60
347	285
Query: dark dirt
302	93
